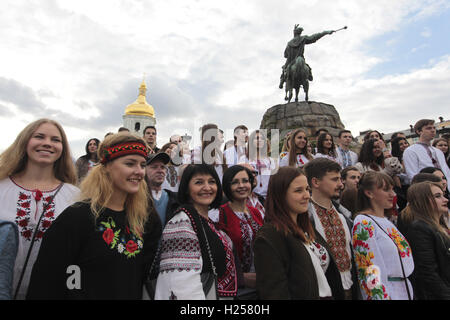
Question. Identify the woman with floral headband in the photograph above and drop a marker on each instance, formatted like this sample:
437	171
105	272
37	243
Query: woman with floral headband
100	247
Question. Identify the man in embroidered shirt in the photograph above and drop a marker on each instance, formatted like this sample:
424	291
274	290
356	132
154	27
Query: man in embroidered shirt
421	154
164	200
345	157
324	179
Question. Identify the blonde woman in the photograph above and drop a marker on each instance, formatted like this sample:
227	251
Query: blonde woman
37	178
100	240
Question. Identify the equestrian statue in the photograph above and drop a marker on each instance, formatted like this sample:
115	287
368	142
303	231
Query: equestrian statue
296	72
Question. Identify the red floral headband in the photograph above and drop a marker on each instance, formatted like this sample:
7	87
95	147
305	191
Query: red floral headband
124	149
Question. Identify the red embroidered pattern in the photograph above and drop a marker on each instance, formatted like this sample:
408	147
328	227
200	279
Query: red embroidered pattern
335	236
300	160
227	284
23	215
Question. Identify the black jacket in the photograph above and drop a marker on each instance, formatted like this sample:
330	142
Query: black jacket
284	269
172	205
431	253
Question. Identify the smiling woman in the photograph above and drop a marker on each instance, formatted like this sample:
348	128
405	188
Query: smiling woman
111	235
383	256
36	177
240	221
192	249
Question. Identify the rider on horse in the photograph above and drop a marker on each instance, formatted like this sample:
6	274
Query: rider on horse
295	48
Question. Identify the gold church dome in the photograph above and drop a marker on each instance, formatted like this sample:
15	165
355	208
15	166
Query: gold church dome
140	107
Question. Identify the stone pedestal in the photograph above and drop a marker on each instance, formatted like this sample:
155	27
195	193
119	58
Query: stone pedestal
309	116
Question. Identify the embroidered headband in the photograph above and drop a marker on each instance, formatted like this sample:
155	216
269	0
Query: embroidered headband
124	149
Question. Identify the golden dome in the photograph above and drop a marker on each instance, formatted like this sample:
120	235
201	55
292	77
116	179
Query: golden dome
140	107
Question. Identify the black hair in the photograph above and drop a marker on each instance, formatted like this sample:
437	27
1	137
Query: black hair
228	176
366	156
320	147
321	129
342	132
189	172
88	155
425	176
148	127
430	170
395	143
318	168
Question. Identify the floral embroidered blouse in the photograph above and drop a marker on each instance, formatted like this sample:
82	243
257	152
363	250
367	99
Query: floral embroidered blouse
24	207
377	259
112	259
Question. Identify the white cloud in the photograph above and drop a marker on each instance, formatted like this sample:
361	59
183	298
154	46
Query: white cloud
426	33
206	61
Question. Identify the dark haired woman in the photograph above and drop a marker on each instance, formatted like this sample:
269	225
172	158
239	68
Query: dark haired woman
429	239
399	145
383	256
191	246
370	157
239	221
326	147
298	154
292	260
442	144
374	134
89	160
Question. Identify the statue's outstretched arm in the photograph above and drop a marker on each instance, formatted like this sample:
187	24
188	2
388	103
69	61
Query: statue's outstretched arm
314	37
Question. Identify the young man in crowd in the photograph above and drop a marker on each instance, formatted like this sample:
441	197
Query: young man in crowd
324	179
165	201
150	138
345	157
421	154
350	177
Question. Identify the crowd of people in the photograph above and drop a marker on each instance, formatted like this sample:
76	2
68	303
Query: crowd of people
225	220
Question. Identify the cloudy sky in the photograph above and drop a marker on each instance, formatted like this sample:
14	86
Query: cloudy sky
81	62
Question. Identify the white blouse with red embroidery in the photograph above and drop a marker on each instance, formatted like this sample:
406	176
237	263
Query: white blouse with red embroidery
24	207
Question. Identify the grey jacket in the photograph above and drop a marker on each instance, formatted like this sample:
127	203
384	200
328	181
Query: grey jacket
9	242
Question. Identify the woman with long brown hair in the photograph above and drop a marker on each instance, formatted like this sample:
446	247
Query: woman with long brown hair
85	163
37	179
429	239
298	153
292	260
108	238
326	147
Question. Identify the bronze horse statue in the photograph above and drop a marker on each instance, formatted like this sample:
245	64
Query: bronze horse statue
297	75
